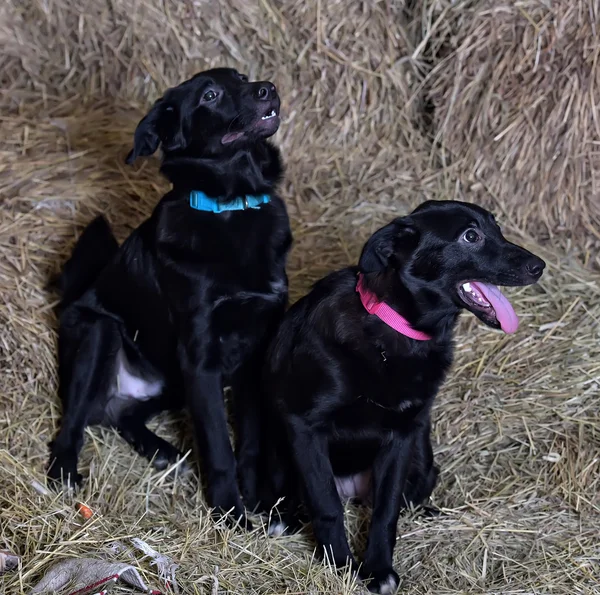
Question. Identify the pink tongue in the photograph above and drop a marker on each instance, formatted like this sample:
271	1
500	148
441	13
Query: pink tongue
505	313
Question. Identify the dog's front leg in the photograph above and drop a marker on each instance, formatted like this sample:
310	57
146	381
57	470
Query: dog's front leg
390	470
207	409
250	409
204	396
247	406
310	453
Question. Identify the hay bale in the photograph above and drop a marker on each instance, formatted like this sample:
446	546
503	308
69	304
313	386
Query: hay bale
515	88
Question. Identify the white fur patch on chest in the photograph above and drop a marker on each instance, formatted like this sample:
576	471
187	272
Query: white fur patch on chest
130	385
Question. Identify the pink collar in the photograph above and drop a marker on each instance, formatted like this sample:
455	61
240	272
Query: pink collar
386	313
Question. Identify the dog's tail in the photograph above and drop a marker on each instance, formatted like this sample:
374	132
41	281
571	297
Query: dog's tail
93	251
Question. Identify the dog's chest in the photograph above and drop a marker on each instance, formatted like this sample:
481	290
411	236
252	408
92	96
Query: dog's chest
234	252
230	268
390	392
233	234
405	378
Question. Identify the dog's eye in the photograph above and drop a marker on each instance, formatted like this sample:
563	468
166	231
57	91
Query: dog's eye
243	78
209	96
471	236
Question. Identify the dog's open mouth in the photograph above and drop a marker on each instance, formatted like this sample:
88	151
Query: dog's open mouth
263	126
269	121
489	304
271	114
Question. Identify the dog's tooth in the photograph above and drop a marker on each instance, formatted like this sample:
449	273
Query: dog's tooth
467	287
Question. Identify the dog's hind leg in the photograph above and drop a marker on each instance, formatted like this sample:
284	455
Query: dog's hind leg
87	352
131	425
247	415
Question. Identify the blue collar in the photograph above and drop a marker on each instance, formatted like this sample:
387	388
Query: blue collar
202	202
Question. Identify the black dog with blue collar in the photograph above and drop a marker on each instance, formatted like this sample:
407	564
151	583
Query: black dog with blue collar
189	302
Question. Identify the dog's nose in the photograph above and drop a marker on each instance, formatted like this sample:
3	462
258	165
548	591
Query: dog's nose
535	267
266	91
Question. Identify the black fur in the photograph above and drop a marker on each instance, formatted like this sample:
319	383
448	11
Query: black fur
190	299
351	394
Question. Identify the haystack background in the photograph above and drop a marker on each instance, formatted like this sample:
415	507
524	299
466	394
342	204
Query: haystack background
385	104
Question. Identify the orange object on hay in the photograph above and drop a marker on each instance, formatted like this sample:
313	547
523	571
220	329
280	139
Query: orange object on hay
85	511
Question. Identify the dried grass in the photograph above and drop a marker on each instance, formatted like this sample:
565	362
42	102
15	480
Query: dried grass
515	92
517	431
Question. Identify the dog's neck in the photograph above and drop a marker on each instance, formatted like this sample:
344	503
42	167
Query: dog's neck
253	169
423	308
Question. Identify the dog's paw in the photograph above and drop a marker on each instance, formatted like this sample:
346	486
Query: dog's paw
62	472
235	519
284	523
164	458
243	522
277	528
233	515
429	512
384	582
223	497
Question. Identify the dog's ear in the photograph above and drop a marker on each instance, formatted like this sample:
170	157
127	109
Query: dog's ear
145	138
162	124
173	128
388	245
